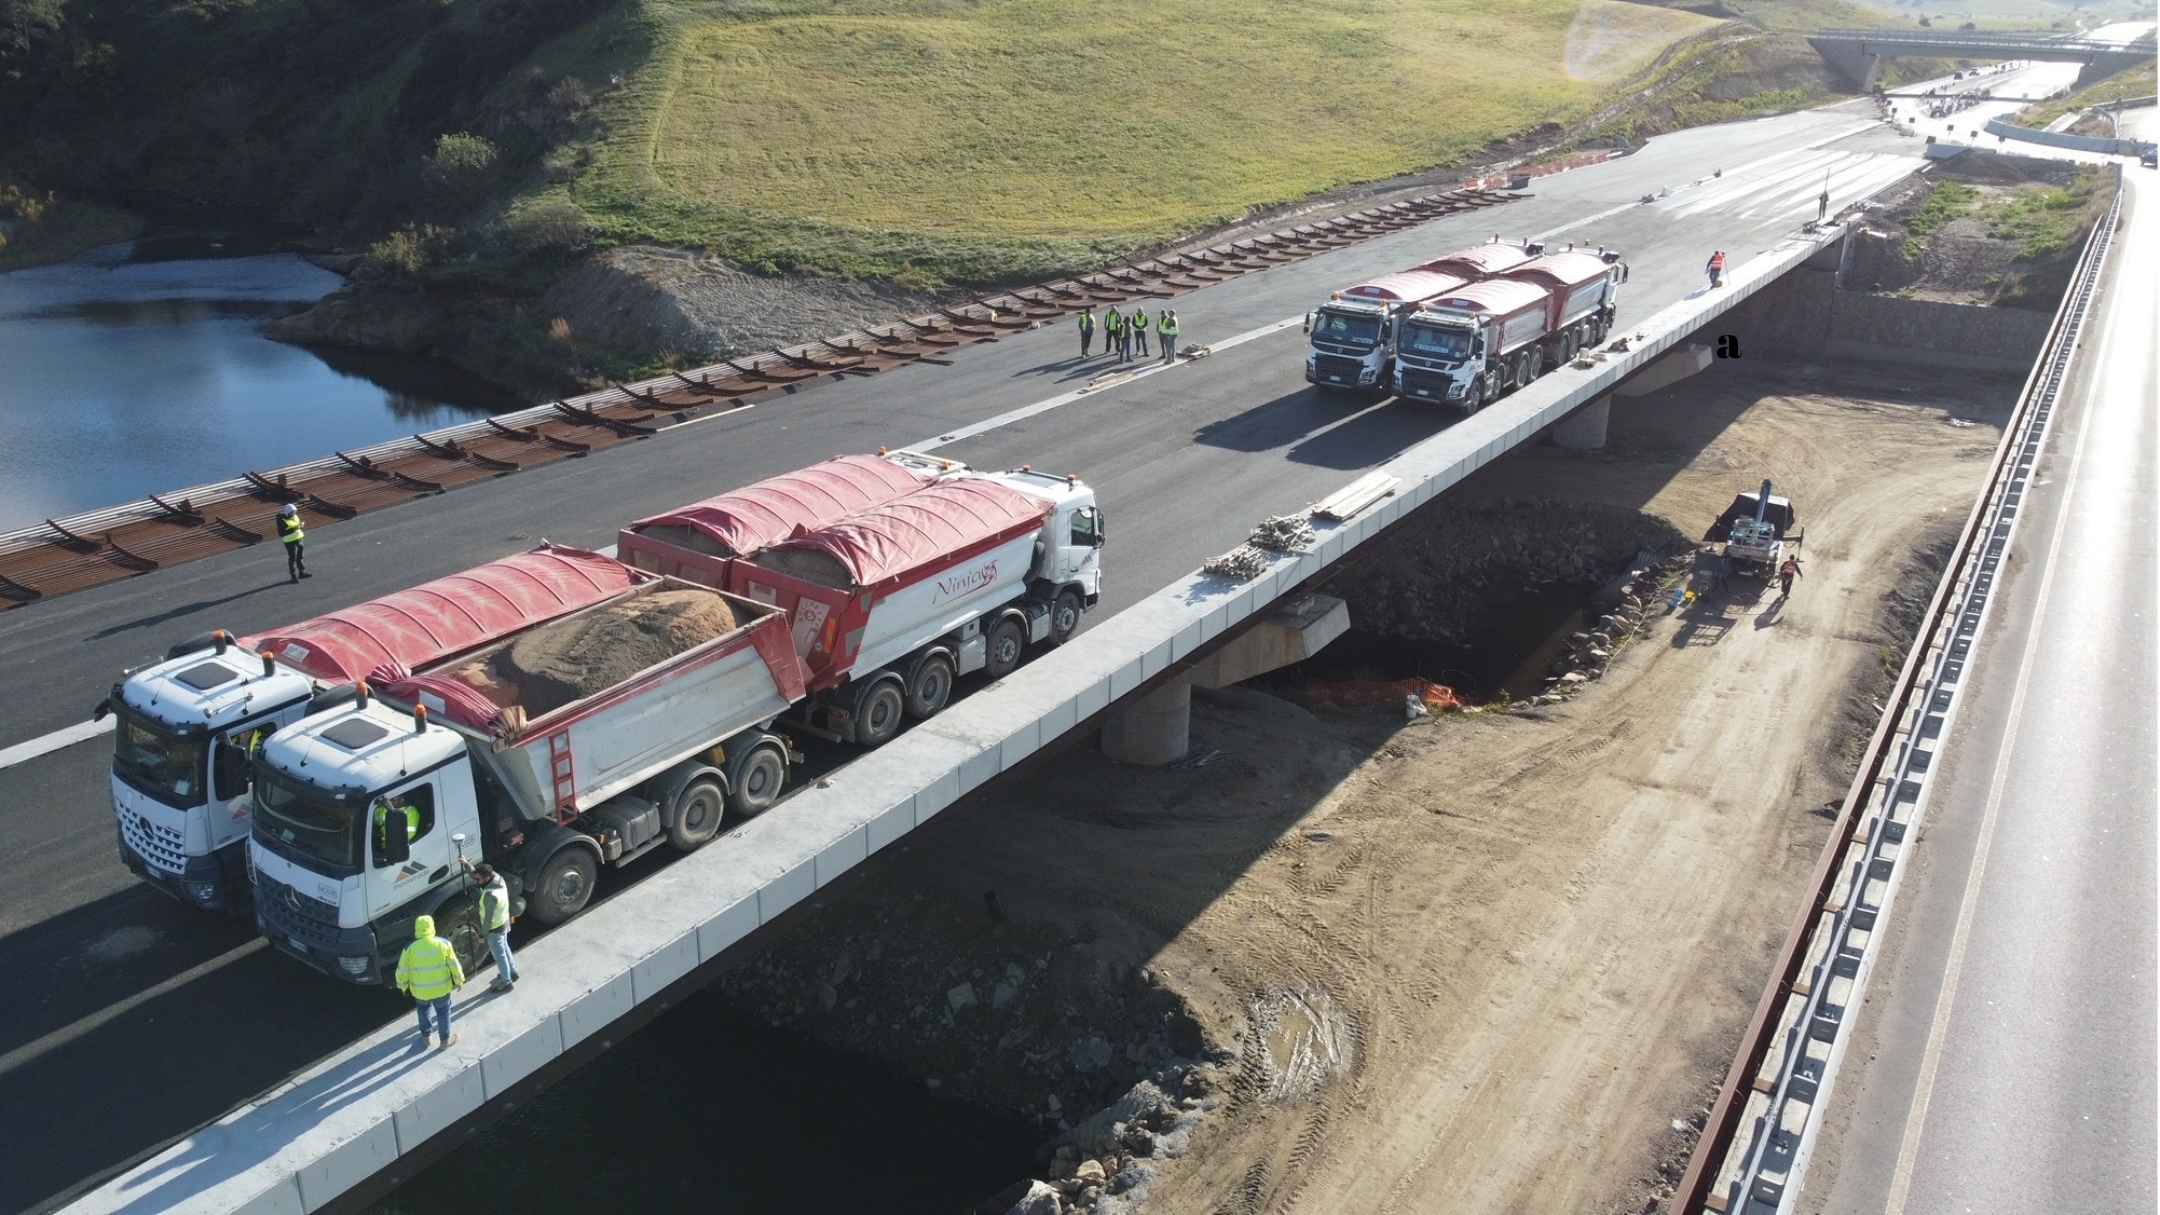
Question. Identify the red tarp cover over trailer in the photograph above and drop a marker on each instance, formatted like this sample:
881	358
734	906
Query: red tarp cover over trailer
1501	296
1407	285
919	531
743	521
434	620
1479	261
1570	269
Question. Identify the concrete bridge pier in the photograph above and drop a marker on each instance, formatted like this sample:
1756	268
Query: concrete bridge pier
1155	728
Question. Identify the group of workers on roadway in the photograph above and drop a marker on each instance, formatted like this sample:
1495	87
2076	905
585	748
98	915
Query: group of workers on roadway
1124	332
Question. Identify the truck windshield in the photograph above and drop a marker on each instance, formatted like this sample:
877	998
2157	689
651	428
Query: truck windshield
299	820
1344	329
1437	342
157	761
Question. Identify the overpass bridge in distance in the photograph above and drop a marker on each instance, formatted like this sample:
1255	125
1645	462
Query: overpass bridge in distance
1858	54
356	1122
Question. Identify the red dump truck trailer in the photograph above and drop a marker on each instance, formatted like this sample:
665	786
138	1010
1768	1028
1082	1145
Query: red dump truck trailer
889	605
1493	336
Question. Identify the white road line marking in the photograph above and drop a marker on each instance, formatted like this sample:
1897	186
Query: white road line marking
1901	1177
24	752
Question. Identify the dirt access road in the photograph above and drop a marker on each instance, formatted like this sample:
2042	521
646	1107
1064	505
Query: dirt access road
1474	964
1549	930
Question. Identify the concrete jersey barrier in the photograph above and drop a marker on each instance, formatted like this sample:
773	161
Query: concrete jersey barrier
357	1112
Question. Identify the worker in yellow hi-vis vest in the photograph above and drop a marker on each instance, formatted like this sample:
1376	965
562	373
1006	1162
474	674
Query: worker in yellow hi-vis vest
290	531
1139	331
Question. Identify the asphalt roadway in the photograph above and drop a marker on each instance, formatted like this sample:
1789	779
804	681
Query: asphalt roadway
2009	1035
127	1020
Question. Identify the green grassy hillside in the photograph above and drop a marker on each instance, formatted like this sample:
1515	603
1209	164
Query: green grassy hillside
998	138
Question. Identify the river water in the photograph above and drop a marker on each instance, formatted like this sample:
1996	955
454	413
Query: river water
142	368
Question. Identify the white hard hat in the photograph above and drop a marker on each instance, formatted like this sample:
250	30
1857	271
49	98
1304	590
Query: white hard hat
289	509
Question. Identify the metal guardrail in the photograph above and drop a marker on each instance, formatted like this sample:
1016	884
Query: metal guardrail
1833	937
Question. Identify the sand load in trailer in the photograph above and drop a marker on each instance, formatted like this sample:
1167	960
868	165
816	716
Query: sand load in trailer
416	627
869	588
623	690
742	521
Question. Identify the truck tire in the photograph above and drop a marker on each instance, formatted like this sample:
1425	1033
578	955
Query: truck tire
1008	641
565	885
1064	616
698	811
1570	342
929	686
1537	363
757	778
880	708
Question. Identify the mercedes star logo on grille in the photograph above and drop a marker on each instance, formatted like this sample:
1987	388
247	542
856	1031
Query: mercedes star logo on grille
292	897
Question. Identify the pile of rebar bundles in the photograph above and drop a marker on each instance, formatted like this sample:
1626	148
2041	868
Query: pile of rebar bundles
1276	534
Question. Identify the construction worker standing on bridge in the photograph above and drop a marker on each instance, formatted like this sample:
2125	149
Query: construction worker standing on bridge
1139	330
1113	331
1168	328
1822	206
428	971
1087	329
1716	268
292	533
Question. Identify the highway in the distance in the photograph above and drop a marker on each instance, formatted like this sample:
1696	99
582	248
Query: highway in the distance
126	1020
2005	1060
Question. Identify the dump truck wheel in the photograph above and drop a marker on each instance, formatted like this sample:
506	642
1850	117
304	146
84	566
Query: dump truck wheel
699	809
929	687
565	885
1064	616
759	776
458	921
1007	642
879	711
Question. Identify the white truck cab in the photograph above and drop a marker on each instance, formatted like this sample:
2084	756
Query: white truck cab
355	810
1352	343
181	775
1071	553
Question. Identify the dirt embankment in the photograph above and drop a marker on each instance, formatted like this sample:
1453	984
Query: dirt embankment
1493	962
1975	232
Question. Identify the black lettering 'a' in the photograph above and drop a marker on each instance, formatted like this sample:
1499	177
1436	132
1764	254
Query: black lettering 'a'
1728	346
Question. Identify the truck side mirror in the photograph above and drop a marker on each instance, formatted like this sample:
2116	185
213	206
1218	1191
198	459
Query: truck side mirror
1308	323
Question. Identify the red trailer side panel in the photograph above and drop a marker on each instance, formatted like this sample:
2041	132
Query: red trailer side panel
1565	276
416	627
743	521
1519	309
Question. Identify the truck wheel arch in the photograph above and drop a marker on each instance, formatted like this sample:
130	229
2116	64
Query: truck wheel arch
546	840
667	788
